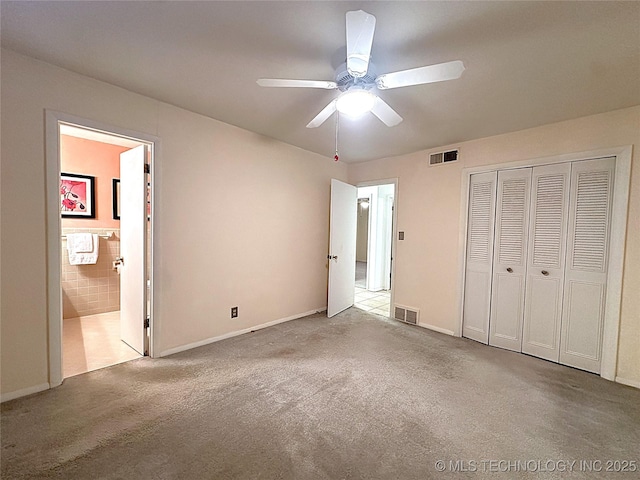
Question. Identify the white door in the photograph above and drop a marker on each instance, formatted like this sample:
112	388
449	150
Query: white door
586	268
342	246
477	288
133	214
546	259
510	259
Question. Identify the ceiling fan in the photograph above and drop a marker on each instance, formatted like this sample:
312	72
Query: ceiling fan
357	79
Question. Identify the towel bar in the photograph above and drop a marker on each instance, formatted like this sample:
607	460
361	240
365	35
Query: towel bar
101	236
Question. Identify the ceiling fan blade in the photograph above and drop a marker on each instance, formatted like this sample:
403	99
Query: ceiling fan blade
323	115
417	76
283	82
360	28
384	112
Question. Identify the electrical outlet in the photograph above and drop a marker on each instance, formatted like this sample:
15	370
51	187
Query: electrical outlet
234	312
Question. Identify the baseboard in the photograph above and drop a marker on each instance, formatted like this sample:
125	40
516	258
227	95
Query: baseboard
5	397
630	383
235	333
437	329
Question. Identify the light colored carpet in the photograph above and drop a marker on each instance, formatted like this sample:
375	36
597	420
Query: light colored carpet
356	396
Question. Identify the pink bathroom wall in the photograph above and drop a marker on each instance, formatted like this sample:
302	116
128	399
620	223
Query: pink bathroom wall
100	160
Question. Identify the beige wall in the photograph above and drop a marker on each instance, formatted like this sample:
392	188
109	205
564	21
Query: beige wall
428	203
241	220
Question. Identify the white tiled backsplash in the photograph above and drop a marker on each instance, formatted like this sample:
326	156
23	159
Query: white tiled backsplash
90	289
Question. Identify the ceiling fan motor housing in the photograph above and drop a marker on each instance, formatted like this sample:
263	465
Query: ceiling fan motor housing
345	80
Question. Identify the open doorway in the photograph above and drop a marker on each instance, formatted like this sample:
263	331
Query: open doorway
374	244
105	202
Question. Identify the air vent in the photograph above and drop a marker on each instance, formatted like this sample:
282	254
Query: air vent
443	157
406	314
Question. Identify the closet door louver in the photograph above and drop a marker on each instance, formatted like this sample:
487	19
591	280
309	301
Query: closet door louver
480	224
510	259
546	261
586	270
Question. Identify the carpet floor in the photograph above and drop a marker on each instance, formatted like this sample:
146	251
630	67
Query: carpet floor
352	397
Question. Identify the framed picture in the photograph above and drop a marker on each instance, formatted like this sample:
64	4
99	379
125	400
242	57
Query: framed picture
77	196
115	191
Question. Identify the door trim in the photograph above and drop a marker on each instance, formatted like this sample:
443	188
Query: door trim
394	232
613	304
53	119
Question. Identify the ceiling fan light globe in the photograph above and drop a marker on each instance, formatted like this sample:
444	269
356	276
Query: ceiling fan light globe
355	103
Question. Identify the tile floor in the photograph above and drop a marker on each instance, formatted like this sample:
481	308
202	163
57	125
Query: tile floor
373	302
92	342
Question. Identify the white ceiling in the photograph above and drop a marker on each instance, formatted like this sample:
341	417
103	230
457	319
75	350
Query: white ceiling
527	63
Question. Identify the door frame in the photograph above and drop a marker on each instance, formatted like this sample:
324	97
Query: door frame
394	231
53	120
613	305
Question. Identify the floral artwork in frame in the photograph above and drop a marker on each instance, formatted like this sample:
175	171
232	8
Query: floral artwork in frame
77	196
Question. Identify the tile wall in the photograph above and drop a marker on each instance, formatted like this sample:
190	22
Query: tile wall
89	289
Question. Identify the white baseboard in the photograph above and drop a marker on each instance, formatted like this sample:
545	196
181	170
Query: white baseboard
437	329
235	333
630	383
5	397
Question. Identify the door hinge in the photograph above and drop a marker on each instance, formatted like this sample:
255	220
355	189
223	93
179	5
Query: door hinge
146	322
147	168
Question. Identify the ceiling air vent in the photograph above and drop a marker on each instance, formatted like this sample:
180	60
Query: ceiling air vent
443	157
406	314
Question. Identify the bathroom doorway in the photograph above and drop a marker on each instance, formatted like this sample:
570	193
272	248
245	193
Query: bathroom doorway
374	248
104	241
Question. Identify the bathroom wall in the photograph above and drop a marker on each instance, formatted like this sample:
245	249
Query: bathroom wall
101	160
91	289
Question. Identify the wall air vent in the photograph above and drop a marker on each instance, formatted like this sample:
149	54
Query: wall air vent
443	157
406	314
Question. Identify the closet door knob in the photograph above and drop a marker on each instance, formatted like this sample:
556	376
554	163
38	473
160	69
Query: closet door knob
510	270
545	273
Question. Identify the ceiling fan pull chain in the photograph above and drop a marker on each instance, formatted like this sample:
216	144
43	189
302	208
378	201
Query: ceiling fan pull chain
336	157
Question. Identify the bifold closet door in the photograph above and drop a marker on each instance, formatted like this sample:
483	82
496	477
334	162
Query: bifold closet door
586	270
479	260
546	260
510	259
